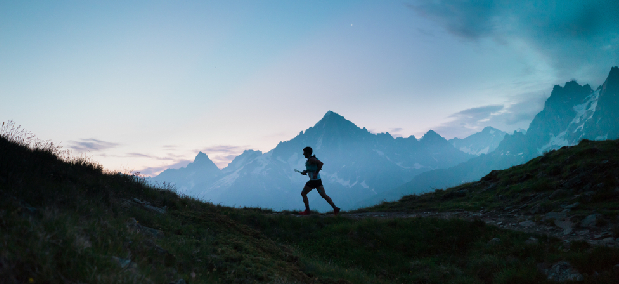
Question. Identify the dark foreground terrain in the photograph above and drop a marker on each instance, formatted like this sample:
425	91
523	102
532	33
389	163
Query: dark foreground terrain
67	220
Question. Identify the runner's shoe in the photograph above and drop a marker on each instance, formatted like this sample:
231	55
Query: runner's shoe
336	210
306	212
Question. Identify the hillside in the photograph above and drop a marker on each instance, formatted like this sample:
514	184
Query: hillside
574	190
67	220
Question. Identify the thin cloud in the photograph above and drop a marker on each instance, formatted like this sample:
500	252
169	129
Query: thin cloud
508	117
476	114
170	157
91	145
523	111
575	36
395	132
140	155
469	121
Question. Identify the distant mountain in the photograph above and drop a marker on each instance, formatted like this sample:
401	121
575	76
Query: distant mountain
358	165
571	113
201	170
479	143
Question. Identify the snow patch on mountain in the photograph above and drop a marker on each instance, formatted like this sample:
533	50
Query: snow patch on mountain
262	161
416	166
334	178
473	152
319	142
227	180
555	142
570	137
585	110
401	166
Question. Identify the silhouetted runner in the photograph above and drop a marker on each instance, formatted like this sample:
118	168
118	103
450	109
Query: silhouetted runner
312	167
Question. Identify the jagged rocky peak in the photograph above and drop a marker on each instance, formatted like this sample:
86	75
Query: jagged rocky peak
332	118
332	121
570	94
202	161
489	130
251	152
611	84
201	158
603	123
432	136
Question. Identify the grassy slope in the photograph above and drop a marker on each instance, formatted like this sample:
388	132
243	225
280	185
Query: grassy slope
68	221
586	174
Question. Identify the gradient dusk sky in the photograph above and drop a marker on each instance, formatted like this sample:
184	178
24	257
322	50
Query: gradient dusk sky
145	85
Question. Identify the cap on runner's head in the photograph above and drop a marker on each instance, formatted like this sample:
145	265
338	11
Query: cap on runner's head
307	149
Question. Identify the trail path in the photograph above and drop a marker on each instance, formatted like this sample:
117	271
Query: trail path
555	224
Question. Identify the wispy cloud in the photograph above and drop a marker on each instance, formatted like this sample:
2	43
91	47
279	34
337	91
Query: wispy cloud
170	147
169	157
507	117
396	132
474	115
92	145
575	36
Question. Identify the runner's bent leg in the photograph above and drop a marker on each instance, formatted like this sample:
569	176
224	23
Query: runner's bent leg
321	191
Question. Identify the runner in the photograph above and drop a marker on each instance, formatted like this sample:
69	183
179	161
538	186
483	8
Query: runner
312	167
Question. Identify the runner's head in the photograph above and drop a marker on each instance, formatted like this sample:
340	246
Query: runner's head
307	152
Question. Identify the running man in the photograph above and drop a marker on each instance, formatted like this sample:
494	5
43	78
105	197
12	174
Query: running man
312	167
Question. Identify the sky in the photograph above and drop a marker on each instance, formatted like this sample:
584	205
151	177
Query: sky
145	85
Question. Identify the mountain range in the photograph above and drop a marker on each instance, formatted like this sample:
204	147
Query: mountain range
358	165
572	112
362	168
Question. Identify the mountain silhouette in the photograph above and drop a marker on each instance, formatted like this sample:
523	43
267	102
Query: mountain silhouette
358	164
201	170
